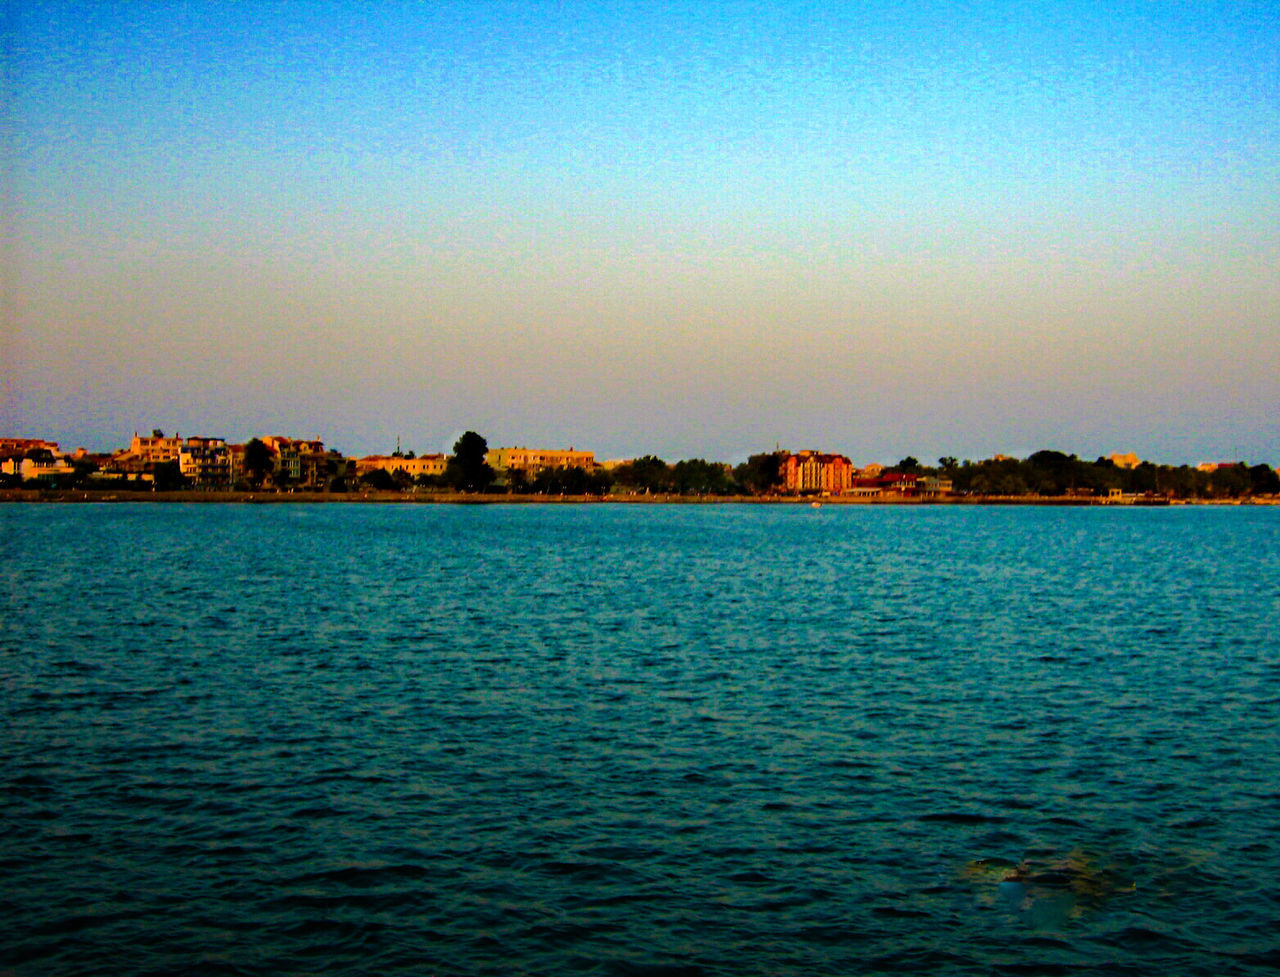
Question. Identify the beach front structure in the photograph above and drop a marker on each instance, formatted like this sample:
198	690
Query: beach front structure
144	453
17	447
32	468
415	468
891	483
303	462
815	472
33	458
205	462
935	486
533	460
286	456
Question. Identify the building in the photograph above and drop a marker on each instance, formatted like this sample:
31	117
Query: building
144	453
415	468
300	462
205	462
33	458
533	460
17	447
286	458
813	472
899	483
1125	461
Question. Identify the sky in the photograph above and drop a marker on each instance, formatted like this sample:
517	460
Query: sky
682	229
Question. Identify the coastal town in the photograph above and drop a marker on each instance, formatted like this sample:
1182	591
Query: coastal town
213	467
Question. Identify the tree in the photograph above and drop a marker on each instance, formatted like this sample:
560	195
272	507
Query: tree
761	473
908	465
694	476
1050	472
167	477
647	474
1263	480
1230	481
379	479
467	469
257	462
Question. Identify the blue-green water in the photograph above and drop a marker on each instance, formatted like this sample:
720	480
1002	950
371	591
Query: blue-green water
639	740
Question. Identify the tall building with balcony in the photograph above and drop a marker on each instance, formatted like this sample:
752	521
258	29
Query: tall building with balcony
205	462
302	462
144	453
812	472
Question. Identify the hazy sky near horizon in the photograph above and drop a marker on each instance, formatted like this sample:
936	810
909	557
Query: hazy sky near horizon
694	230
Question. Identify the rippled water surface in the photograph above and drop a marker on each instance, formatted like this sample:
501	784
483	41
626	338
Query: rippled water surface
639	740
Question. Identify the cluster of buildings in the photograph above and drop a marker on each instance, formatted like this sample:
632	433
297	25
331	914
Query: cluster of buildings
202	462
815	473
801	473
528	461
36	458
214	463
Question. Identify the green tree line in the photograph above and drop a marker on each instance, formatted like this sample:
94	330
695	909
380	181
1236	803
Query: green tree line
1053	473
1044	473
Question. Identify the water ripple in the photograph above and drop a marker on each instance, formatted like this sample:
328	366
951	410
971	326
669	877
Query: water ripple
642	740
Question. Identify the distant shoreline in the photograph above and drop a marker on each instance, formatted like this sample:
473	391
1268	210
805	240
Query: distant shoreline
81	496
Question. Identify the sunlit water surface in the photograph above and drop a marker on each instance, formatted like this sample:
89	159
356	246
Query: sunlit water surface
639	740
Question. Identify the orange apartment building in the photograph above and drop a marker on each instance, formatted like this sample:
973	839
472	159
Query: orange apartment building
815	472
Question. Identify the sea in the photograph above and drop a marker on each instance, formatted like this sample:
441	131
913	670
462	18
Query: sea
639	740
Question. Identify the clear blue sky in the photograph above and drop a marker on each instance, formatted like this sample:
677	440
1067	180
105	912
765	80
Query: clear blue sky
696	230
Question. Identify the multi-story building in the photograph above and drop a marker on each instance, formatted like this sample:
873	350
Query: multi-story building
932	486
235	454
413	467
33	458
815	472
144	453
17	447
286	457
533	460
205	462
294	462
315	465
898	483
302	462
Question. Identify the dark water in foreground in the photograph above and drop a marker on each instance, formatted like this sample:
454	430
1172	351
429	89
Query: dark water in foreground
639	740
